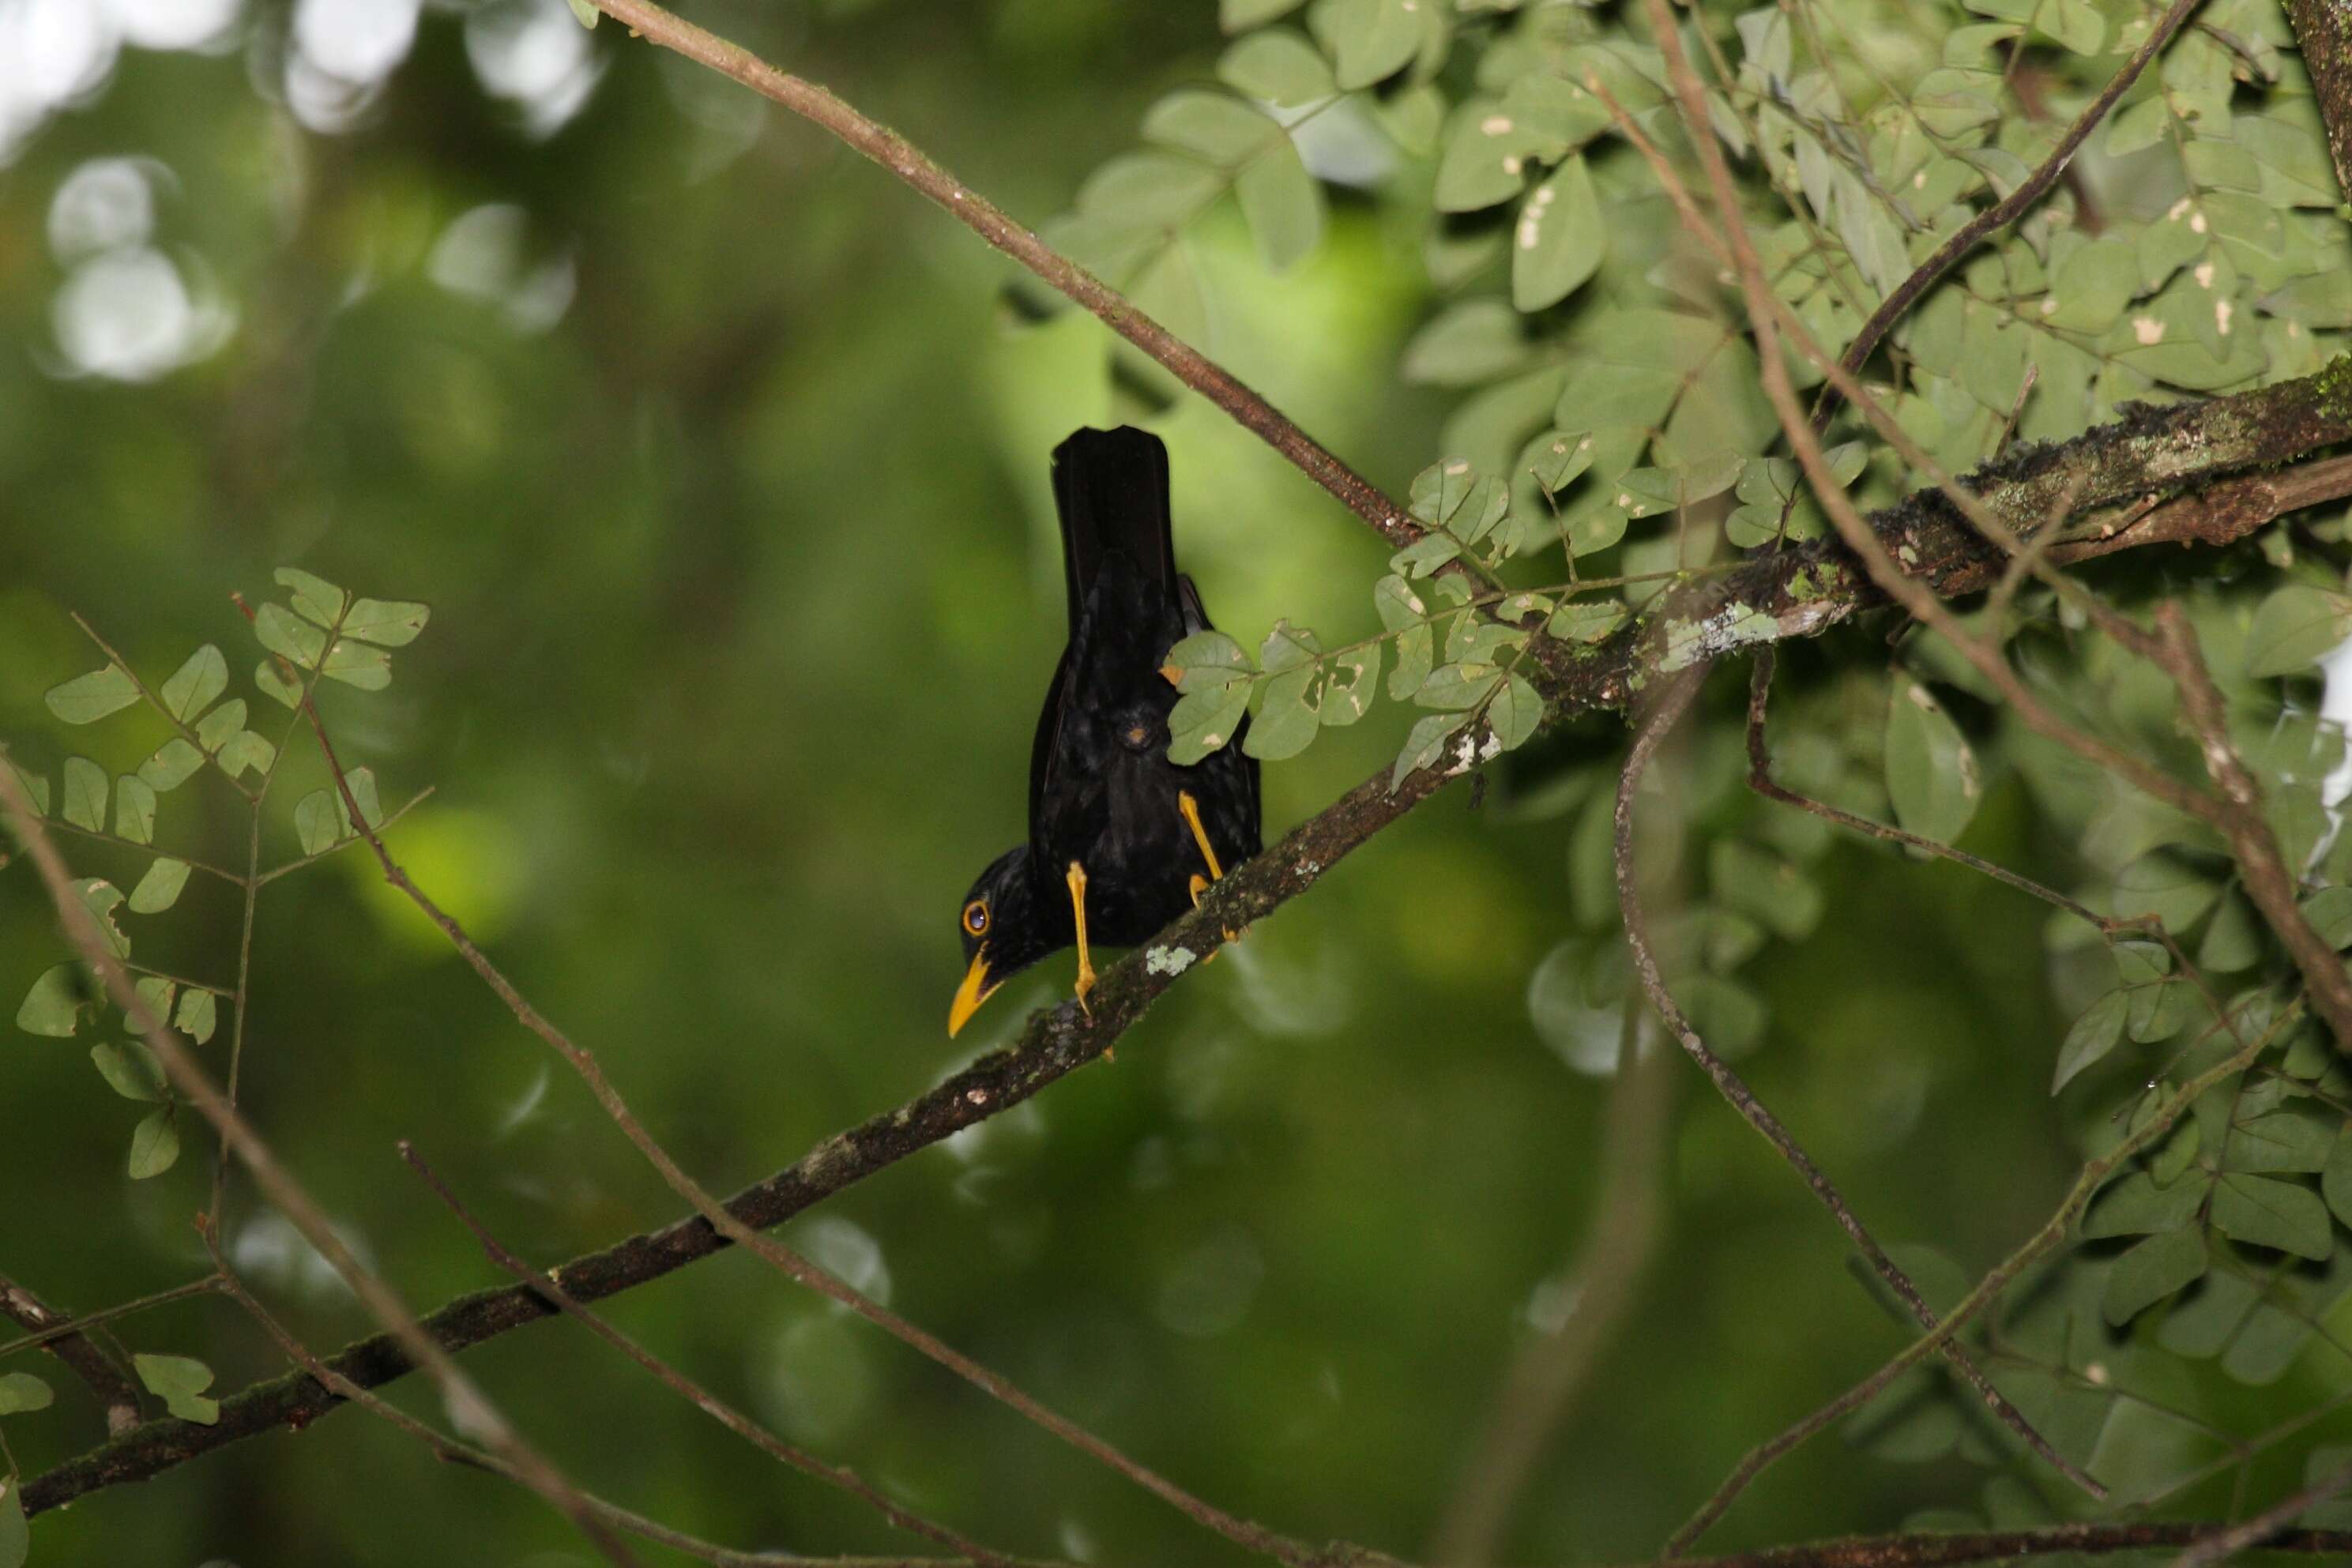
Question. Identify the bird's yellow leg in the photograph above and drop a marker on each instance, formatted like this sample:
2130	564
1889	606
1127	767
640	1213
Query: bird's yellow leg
1191	810
1077	880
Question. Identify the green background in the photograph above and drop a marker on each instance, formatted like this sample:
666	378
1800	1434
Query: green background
743	588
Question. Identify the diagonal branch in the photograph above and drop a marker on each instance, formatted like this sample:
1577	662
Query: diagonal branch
911	164
1797	592
116	1393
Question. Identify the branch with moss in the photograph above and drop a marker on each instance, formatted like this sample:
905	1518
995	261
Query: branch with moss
2177	452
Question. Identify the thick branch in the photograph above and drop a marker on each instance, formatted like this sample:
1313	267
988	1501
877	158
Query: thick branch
911	164
95	1367
2323	30
1797	592
1938	1551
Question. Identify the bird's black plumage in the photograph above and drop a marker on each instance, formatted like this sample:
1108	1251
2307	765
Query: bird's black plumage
1103	796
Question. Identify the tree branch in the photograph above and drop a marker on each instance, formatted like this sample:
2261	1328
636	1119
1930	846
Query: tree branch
2323	31
1796	593
1940	1551
116	1393
911	164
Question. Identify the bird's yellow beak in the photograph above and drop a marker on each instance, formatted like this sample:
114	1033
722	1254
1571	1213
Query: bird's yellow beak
974	990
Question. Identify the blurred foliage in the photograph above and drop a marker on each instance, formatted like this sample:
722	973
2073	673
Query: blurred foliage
721	462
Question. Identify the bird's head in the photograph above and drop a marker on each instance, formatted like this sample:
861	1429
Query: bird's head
1003	934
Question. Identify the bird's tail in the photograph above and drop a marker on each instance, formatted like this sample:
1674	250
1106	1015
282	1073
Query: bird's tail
1111	488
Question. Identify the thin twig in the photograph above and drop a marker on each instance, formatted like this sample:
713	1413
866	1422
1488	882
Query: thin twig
1988	1289
108	1315
2006	210
1241	1531
1939	1550
546	1284
2270	882
902	158
71	1344
2259	1530
283	1191
1671	704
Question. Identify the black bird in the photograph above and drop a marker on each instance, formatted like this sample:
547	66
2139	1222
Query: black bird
1121	841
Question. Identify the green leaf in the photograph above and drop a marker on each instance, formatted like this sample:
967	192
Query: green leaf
1587	620
85	794
1279	67
315	598
175	762
1353	680
247	749
1225	130
2330	910
1424	556
192	689
2092	286
154	994
2094	1034
1289	716
1457	685
2281	1141
87	698
130	1069
2273	1213
1558	458
1283	206
180	1382
2137	1206
2294	628
273	685
22	1393
1204	720
159	889
1374	38
197	1015
154	1149
1931	773
1560	240
2152	1271
584	12
134	809
318	822
362	787
2335	1181
216	728
1288	647
36	787
15	1535
1516	713
1239	16
357	665
1208	659
282	634
53	1006
1470	343
390	624
1425	743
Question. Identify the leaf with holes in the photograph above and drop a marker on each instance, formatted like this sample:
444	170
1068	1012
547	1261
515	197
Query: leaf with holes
1289	715
1425	743
197	1015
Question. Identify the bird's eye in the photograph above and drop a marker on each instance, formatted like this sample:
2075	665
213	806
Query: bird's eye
975	917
